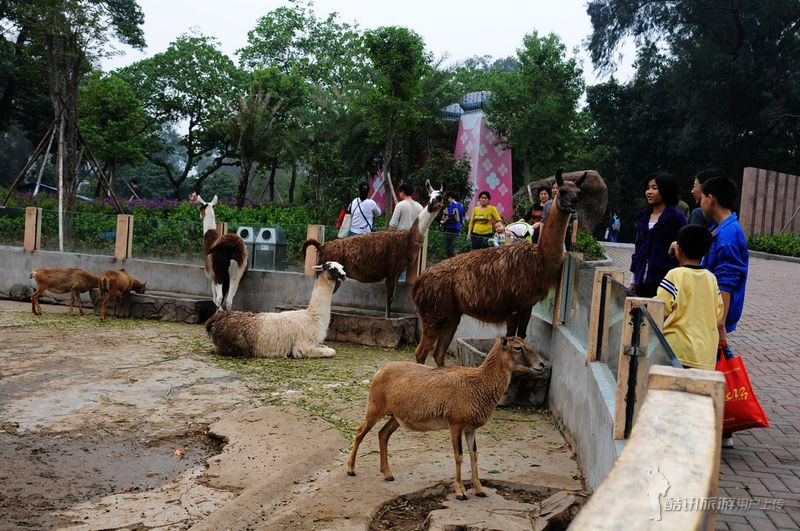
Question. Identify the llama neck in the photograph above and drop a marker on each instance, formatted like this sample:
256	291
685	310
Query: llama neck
209	220
320	303
424	219
551	244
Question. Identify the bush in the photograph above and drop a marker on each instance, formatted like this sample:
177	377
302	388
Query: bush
589	247
783	244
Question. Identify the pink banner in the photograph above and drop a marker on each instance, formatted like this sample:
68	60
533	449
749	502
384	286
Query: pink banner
491	162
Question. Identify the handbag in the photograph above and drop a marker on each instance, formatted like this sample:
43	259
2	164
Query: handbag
742	409
344	229
339	219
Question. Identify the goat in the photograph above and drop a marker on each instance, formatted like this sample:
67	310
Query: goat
497	284
375	256
225	257
461	399
118	284
292	334
61	280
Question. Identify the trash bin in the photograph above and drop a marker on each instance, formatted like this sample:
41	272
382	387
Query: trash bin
248	236
270	249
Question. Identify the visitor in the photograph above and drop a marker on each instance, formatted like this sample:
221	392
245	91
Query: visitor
536	212
363	211
499	237
451	222
693	305
406	210
656	228
697	217
612	234
481	224
571	238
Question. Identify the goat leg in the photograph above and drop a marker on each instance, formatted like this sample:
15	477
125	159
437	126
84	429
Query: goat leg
472	445
103	304
35	307
458	453
367	425
383	444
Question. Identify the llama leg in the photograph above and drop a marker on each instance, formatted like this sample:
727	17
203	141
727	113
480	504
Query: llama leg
35	307
235	274
458	453
313	351
216	293
446	334
383	444
524	319
372	417
391	285
512	322
427	342
472	446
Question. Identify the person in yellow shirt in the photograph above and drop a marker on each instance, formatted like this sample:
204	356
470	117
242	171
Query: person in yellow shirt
693	302
481	225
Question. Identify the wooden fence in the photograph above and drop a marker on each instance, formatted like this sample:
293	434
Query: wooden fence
770	202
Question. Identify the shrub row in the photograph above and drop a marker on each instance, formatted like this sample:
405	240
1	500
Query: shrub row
783	244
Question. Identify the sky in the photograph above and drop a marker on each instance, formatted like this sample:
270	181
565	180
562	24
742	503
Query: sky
450	29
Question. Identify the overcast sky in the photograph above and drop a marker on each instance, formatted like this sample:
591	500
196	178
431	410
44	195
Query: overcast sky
449	28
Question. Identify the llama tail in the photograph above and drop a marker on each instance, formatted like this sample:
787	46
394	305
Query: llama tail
103	284
211	321
308	243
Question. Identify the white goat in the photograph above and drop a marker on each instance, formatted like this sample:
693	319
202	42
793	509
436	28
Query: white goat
292	334
225	257
461	399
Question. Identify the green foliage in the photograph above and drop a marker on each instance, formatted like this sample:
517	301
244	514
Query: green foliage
590	248
443	170
783	244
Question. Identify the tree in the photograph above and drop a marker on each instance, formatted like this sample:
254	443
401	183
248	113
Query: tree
192	82
400	61
534	106
68	35
112	121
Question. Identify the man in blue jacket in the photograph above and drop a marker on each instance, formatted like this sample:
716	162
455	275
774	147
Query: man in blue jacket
728	258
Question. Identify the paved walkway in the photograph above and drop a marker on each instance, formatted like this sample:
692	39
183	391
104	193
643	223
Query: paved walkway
762	473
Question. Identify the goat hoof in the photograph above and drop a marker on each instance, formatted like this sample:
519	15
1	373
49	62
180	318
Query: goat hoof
461	497
351	472
389	478
480	494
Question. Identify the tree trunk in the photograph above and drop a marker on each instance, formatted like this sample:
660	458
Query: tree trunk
244	181
271	183
292	183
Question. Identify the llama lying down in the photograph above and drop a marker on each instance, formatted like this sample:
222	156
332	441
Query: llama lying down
293	334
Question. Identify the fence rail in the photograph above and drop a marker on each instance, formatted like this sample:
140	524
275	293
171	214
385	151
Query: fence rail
770	202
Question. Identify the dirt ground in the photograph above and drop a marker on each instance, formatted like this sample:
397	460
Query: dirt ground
139	425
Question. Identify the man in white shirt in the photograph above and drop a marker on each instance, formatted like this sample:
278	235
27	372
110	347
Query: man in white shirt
362	211
406	210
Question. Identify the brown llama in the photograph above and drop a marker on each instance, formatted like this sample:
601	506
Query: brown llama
118	284
459	399
375	256
225	257
61	280
493	285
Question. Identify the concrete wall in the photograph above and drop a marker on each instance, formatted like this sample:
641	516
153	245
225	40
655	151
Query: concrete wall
259	291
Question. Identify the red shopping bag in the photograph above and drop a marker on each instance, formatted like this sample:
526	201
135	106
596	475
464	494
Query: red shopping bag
341	218
742	410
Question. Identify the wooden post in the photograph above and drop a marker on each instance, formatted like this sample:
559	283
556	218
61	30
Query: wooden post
627	350
418	266
122	249
313	232
594	317
33	229
222	228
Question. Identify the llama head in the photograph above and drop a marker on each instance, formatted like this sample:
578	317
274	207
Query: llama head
569	192
334	271
203	205
436	198
522	356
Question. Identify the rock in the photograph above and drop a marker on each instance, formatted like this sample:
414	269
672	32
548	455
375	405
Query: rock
478	514
164	307
20	292
557	511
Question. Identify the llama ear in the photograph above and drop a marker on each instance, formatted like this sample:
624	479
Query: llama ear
214	201
559	180
318	268
428	186
580	181
504	341
196	198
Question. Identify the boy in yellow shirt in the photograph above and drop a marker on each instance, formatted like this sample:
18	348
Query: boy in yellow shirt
693	302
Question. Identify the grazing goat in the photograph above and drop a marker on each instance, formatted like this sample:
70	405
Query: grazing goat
461	399
375	256
292	334
61	280
497	284
225	257
118	284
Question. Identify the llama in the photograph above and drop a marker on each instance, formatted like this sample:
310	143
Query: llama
461	399
494	285
225	257
61	280
292	334
118	284
375	256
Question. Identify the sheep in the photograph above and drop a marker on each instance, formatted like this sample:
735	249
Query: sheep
118	284
461	399
375	256
61	280
292	334
497	284
225	257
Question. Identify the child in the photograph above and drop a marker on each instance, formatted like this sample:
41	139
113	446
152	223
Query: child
499	237
693	302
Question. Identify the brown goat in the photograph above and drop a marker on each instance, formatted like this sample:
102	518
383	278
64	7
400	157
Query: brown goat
461	399
493	285
118	284
375	256
225	257
61	280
